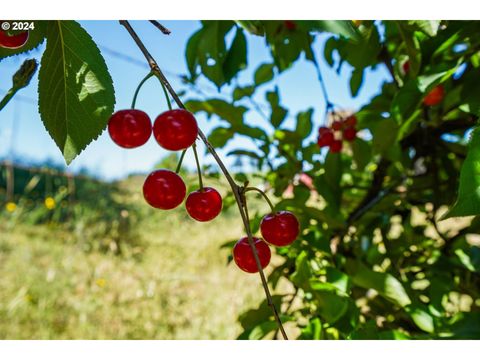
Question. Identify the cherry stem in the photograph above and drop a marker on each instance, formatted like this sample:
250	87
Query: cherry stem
134	101
236	189
169	103
252	188
199	171
180	161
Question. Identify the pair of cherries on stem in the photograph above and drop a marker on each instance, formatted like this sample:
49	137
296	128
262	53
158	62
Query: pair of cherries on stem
173	130
278	228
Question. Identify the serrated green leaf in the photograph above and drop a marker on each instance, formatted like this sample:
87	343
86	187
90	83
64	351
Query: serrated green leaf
76	95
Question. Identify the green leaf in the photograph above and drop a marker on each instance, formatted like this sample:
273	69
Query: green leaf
313	330
330	46
338	279
330	305
279	113
242	152
251	318
343	28
259	331
263	74
191	53
384	135
304	123
224	110
212	51
220	136
302	272
356	81
362	153
469	93
236	58
241	92
422	319
406	101
385	284
76	95
254	27
429	27
35	38
413	46
468	200
250	131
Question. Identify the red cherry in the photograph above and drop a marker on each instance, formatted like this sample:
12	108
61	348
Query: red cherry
337	125
435	96
323	129
290	25
280	229
204	205
175	129
349	133
13	41
130	128
350	121
336	146
243	254
406	67
164	189
325	139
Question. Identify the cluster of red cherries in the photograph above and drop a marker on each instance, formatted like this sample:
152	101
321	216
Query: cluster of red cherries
339	130
163	189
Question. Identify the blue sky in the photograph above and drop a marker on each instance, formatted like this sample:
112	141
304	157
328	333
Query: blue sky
22	134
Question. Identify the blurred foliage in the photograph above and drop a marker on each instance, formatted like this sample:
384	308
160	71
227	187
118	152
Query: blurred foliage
374	260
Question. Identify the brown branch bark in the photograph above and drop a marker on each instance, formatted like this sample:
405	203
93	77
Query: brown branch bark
236	189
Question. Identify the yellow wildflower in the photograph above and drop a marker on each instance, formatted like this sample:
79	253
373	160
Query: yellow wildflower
101	282
49	203
10	206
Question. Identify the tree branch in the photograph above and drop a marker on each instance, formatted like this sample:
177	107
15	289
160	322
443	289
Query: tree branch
237	190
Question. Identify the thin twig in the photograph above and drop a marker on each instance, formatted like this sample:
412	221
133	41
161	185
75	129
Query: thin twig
160	27
237	190
329	104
